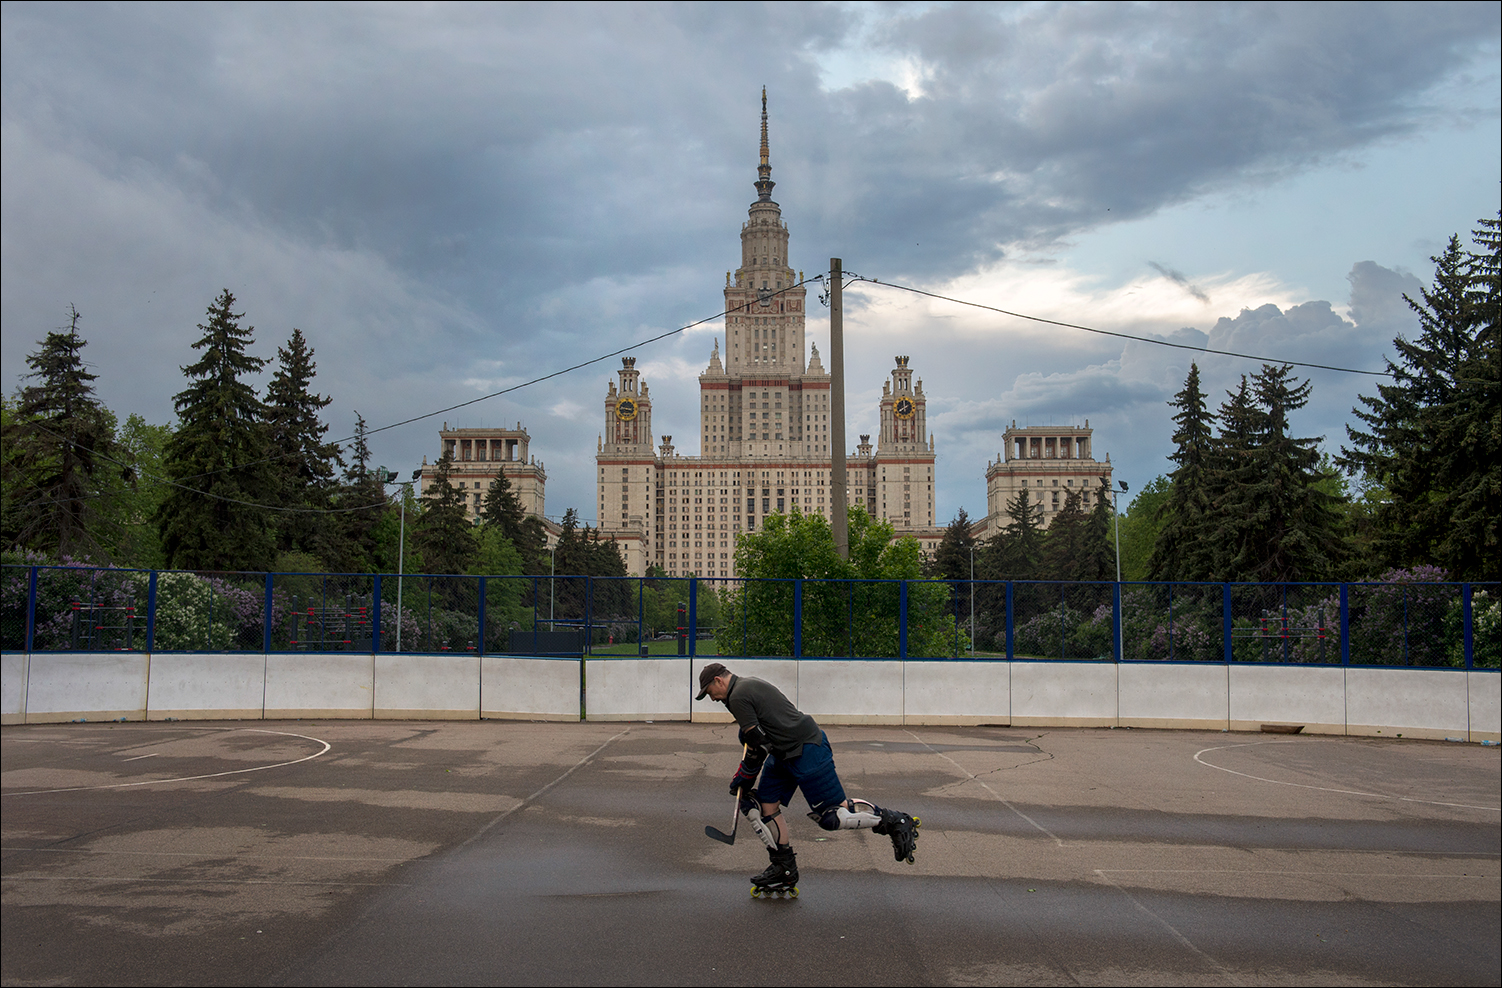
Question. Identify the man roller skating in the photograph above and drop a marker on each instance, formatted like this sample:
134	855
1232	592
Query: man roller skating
790	752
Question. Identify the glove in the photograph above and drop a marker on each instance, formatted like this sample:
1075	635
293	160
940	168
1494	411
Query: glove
743	779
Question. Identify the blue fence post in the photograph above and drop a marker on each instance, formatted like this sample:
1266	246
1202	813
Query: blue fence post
150	612
375	616
589	628
693	618
480	636
902	620
798	618
31	606
1225	619
641	611
266	629
1345	624
1011	614
1465	605
1116	620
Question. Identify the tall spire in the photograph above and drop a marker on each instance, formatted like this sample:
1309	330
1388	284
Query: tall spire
764	181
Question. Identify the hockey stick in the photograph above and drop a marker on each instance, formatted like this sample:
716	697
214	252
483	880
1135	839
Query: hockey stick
735	815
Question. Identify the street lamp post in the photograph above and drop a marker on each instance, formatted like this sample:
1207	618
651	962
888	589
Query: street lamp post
552	580
972	598
1116	517
389	477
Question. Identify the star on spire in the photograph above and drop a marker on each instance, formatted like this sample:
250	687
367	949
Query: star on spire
764	181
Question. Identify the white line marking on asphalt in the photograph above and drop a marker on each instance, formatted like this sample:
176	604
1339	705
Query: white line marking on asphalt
136	758
1344	792
195	778
1229	975
576	766
1000	798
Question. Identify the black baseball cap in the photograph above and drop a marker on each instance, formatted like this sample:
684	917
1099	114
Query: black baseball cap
708	675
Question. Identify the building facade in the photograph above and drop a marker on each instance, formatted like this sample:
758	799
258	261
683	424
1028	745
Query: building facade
479	456
1050	461
764	444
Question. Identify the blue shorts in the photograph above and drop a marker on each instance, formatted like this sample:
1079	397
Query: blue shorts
812	771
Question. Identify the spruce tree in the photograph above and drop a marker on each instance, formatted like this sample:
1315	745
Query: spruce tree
1019	547
1066	542
952	559
348	540
60	441
213	518
1432	439
1230	481
1182	550
304	465
443	532
1100	541
1276	524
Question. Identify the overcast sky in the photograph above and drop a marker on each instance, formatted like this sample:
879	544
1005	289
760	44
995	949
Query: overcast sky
449	200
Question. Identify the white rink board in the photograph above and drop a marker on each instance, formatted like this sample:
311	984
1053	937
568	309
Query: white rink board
1065	694
528	688
1312	696
1485	692
13	687
63	686
1173	695
637	689
957	691
204	685
1416	703
319	685
851	691
427	687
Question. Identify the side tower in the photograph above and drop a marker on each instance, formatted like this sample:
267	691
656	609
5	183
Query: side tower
1050	461
626	467
904	463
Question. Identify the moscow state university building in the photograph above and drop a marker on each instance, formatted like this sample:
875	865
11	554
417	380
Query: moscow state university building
763	429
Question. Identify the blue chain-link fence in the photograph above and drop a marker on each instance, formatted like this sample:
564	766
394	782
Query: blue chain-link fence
1429	625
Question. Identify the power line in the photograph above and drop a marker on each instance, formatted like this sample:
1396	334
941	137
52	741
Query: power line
1124	336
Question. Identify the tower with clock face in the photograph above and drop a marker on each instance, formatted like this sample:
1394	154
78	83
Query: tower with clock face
628	410
627	467
901	488
904	424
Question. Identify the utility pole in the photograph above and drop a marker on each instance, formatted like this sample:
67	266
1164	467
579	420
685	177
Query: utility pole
838	487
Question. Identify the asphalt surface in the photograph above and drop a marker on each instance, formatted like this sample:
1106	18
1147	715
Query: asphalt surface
374	853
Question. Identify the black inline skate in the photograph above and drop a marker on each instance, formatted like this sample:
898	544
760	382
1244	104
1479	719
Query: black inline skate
903	830
780	878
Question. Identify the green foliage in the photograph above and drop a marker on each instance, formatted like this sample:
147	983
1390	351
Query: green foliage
1432	439
59	446
1015	553
357	538
954	558
131	497
1141	525
1182	546
218	456
444	538
859	615
303	468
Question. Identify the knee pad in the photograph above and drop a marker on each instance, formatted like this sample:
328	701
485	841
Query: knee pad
840	818
759	825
